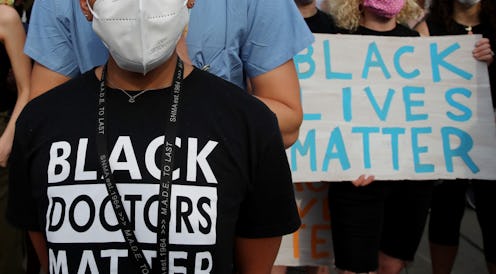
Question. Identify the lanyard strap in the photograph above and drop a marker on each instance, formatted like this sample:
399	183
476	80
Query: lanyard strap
167	165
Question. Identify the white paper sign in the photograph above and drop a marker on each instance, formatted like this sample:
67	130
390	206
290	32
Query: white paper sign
395	107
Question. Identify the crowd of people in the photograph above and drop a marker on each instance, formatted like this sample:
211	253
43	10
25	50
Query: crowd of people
150	137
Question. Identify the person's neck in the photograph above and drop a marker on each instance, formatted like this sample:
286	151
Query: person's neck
378	23
308	10
158	78
468	16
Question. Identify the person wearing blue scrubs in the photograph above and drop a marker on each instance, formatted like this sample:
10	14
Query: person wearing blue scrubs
250	43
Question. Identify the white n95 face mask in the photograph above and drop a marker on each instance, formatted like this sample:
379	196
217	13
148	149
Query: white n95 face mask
139	34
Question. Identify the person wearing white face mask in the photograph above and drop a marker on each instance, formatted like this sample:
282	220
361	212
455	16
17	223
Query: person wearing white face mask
133	43
462	17
147	164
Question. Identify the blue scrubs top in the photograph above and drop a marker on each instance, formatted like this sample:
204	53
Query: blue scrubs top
235	39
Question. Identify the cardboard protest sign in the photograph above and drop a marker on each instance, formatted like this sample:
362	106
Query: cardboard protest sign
396	107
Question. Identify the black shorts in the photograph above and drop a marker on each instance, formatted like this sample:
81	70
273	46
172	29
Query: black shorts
448	206
387	216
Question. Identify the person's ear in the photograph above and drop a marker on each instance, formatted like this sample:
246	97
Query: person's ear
86	10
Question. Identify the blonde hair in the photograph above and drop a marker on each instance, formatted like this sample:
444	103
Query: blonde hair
347	13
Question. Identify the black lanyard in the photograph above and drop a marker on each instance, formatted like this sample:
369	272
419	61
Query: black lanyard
167	164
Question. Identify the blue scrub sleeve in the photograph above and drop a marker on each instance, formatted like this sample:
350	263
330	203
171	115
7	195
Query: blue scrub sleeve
276	34
48	40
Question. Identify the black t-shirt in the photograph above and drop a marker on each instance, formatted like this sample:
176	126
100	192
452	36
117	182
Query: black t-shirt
438	29
232	177
321	22
399	30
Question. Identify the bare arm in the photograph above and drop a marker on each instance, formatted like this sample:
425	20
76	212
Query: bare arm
256	256
43	79
279	89
13	36
39	245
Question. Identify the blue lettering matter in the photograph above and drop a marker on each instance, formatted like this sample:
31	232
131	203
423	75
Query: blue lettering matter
417	150
308	146
336	148
394	132
336	141
366	131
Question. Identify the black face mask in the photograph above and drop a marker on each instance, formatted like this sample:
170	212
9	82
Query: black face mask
303	2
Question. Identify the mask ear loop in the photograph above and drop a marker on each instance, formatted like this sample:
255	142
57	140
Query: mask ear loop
91	10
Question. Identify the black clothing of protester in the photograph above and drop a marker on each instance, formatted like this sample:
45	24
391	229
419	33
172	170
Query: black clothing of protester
233	174
448	201
8	94
399	31
321	22
448	207
387	216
